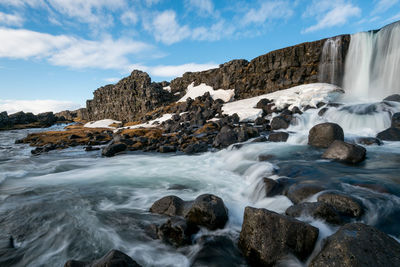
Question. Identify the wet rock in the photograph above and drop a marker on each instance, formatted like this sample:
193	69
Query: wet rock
267	237
344	204
112	149
90	148
279	122
357	244
278	137
260	121
263	103
167	149
276	187
300	192
317	210
345	152
265	157
396	120
226	136
169	205
390	134
177	232
114	258
368	141
260	139
199	147
209	211
323	135
395	98
322	112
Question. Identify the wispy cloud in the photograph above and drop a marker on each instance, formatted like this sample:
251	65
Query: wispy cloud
11	19
202	7
171	71
36	106
383	6
268	10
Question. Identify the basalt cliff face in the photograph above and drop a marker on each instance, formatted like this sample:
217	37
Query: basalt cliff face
136	95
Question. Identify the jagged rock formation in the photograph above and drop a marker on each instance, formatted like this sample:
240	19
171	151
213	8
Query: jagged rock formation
129	99
21	120
79	114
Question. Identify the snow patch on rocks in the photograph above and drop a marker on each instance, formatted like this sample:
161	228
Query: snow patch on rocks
196	91
101	124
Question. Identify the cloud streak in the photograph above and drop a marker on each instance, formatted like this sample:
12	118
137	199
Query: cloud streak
36	106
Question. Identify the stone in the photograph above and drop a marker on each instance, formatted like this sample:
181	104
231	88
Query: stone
169	205
177	232
323	135
112	149
209	211
322	112
265	157
279	122
114	258
167	149
276	187
345	152
368	141
263	103
390	134
226	136
300	192
357	244
195	148
317	210
395	98
260	121
344	204
396	120
278	137
267	237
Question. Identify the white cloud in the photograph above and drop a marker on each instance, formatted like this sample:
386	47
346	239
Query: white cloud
393	18
214	33
36	106
170	71
330	14
129	18
203	7
63	50
112	79
267	11
11	19
22	3
384	5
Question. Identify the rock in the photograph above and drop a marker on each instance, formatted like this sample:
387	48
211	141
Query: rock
278	137
368	141
318	210
177	232
322	112
344	204
260	121
323	135
267	237
260	139
199	147
226	136
394	98
345	152
396	120
112	149
275	187
300	192
169	205
279	122
167	149
357	244
390	134
209	211
263	103
265	157
114	258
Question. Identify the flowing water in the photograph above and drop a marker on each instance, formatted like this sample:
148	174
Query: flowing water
72	204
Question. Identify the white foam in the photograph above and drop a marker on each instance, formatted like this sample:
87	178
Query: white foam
101	124
196	91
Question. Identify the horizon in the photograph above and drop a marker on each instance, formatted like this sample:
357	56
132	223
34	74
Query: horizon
65	50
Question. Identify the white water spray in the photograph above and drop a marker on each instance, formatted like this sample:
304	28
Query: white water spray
331	65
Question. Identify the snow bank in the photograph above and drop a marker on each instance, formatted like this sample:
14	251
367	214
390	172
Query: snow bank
167	88
101	124
196	91
299	96
152	123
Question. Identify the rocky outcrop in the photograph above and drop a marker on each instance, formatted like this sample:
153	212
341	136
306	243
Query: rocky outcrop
79	114
21	120
128	100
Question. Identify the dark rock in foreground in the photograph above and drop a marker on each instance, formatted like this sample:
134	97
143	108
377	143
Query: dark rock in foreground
267	237
357	244
318	210
345	152
323	135
390	134
345	204
114	258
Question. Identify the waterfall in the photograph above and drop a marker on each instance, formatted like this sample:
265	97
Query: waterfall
331	66
372	68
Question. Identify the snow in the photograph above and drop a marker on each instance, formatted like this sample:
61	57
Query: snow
299	96
167	88
101	124
149	124
196	91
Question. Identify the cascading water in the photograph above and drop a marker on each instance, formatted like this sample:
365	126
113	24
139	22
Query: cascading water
373	65
331	65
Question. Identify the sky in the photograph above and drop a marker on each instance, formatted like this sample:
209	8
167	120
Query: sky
55	53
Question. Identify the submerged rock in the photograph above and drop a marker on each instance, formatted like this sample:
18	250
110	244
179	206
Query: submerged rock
169	205
390	134
278	137
394	98
276	187
112	149
300	192
357	244
368	141
396	120
177	232
345	204
345	152
317	210
323	135
114	258
267	237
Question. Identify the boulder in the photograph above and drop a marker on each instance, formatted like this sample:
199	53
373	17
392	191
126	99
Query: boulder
177	232
276	187
114	258
394	98
263	103
112	149
345	152
323	135
198	147
279	122
169	205
344	204
396	120
267	237
209	211
390	134
278	137
300	192
226	136
368	141
167	149
317	210
357	244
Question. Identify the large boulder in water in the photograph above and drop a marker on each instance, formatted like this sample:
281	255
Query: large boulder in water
114	258
394	98
323	135
279	122
209	211
391	134
345	152
226	136
396	120
268	237
112	149
357	244
345	204
177	232
300	192
317	210
169	205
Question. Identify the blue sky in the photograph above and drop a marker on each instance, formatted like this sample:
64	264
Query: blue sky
55	53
